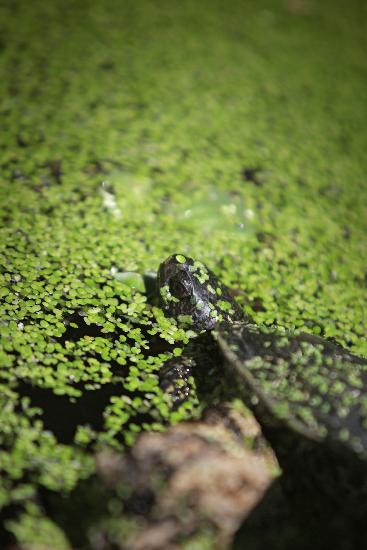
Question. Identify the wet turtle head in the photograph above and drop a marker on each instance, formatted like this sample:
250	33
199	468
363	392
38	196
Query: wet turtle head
191	293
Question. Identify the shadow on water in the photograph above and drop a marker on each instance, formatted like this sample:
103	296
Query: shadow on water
281	524
270	525
62	414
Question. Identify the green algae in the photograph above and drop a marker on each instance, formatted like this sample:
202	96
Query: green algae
224	131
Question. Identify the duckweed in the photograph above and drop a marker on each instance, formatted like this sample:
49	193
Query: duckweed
133	130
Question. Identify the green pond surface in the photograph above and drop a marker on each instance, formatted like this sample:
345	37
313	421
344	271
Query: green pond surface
230	131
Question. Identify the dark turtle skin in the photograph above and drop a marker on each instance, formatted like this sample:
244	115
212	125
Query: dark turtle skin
308	394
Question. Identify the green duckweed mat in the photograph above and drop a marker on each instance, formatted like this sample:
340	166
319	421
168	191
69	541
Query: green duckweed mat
233	132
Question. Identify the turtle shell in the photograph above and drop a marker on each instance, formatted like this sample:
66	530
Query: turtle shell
312	386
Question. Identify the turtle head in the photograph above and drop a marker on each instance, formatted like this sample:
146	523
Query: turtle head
191	293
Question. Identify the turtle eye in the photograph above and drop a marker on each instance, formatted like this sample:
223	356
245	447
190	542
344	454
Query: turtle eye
179	287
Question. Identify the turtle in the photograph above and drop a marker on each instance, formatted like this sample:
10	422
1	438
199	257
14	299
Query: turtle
309	394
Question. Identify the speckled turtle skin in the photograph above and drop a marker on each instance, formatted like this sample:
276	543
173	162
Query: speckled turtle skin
308	394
